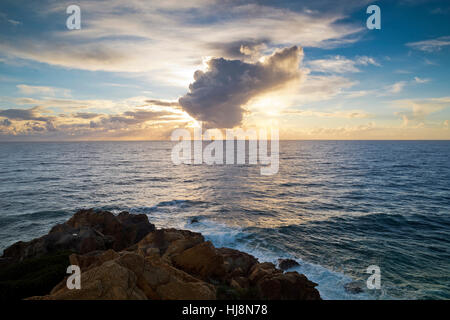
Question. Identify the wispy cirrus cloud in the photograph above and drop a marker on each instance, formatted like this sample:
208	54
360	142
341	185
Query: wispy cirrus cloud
43	90
397	87
137	36
340	64
342	114
421	80
430	45
4	17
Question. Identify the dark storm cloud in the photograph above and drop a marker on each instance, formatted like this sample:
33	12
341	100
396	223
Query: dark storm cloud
86	115
145	115
128	118
163	103
23	114
217	96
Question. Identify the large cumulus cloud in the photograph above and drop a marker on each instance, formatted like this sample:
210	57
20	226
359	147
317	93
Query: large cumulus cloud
217	96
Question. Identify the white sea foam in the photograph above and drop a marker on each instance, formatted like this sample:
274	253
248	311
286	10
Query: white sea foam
330	283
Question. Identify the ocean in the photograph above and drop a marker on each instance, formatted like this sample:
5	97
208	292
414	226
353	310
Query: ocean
336	207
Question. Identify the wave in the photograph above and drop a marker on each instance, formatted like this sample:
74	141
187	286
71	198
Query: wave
330	283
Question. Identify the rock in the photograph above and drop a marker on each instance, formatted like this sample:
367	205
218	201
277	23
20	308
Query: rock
240	283
92	259
124	257
237	263
285	264
202	260
164	281
353	287
182	286
130	276
110	281
194	220
273	284
86	231
33	276
170	241
125	229
5	262
262	270
287	286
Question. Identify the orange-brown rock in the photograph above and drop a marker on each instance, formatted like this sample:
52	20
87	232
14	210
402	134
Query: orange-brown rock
169	242
273	284
92	259
130	276
237	263
203	260
123	257
110	281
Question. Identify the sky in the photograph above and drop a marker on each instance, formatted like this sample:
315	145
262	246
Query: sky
137	70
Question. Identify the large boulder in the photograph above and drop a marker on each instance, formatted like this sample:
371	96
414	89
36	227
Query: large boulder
130	276
202	260
110	281
92	259
237	263
273	284
169	242
285	264
86	231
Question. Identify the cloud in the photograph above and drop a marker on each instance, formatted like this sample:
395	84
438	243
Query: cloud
86	115
128	119
344	131
421	80
430	45
135	123
163	103
396	87
245	49
440	10
4	17
72	105
347	114
51	91
218	95
339	64
5	122
320	88
24	114
365	61
419	110
144	37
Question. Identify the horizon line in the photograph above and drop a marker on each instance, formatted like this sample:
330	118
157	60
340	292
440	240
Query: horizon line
149	140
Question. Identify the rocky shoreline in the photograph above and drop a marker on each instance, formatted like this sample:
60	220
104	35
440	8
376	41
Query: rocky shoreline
125	257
